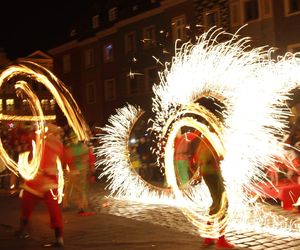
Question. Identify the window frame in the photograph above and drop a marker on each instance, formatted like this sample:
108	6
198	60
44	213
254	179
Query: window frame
151	42
209	12
95	21
148	85
112	83
10	107
129	79
129	48
263	7
236	4
176	27
258	9
66	63
287	9
106	57
89	58
88	100
292	47
112	14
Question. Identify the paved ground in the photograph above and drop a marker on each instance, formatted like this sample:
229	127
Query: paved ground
171	217
125	226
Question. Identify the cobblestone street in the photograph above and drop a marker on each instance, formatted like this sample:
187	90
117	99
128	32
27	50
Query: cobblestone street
172	217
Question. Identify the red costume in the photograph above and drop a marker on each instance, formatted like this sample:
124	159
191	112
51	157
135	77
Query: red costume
44	185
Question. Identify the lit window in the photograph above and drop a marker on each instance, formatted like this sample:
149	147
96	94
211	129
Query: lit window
45	104
1	105
10	104
66	63
178	28
130	42
110	89
52	104
149	36
89	58
211	19
235	14
25	105
95	22
112	14
91	93
251	10
108	52
292	7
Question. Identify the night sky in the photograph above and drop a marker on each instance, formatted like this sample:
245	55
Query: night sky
27	26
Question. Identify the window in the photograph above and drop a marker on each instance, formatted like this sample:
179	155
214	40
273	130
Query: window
1	104
108	52
91	93
251	10
235	17
294	48
89	58
267	8
10	104
211	19
110	89
133	85
178	28
112	14
45	104
292	7
52	104
130	42
66	63
151	77
149	36
95	22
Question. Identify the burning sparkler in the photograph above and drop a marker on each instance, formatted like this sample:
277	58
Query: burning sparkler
253	90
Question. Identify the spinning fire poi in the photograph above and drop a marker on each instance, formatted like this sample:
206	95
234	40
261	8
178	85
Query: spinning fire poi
20	74
252	91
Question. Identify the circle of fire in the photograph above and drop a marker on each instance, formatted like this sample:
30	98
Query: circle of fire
32	71
254	90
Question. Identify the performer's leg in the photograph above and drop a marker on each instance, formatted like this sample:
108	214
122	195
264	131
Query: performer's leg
28	203
55	218
216	187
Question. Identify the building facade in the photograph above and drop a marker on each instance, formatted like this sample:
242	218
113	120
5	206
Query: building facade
114	58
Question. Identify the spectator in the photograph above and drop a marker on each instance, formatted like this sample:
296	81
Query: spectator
77	157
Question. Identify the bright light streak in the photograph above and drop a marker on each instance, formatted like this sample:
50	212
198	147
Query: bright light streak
27	118
113	153
254	91
34	72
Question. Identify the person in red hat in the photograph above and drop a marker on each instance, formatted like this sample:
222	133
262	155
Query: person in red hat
43	187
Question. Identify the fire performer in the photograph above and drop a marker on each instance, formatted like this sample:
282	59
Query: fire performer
44	187
209	169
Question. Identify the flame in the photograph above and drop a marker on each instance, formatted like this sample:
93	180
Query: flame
29	71
254	91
